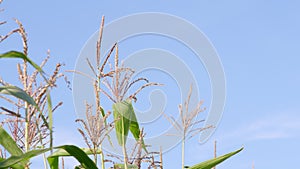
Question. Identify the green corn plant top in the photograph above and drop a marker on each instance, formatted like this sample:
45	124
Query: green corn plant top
125	121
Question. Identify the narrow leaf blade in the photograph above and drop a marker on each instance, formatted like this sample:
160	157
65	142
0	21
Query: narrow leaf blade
213	162
10	145
77	153
16	54
12	160
122	166
18	93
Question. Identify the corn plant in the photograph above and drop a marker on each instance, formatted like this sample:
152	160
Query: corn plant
30	127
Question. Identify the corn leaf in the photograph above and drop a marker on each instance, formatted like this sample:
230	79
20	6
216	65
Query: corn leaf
50	116
74	151
63	152
126	121
213	162
18	93
12	160
122	114
134	126
53	159
122	166
10	145
16	54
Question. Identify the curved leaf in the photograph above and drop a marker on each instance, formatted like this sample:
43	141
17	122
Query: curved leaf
12	160
213	162
18	93
16	54
74	151
53	158
77	153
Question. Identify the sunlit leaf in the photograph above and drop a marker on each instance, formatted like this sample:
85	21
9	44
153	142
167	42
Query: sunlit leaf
74	151
213	162
122	115
122	166
16	54
10	145
126	120
12	160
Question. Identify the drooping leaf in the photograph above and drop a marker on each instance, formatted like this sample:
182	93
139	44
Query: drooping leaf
21	94
18	93
213	162
20	55
12	160
74	151
53	159
63	152
77	153
122	166
16	54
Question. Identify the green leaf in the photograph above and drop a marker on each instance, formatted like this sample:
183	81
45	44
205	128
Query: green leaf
20	55
21	94
122	166
126	120
16	166
134	126
63	152
12	160
74	151
213	162
53	158
122	114
50	116
16	54
10	145
18	93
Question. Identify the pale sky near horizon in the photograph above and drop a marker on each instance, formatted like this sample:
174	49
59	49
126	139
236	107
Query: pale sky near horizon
258	45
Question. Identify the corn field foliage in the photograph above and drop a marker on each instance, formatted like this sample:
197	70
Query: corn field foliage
27	129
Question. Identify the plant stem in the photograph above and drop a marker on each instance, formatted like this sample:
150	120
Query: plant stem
102	157
95	154
125	156
182	151
26	141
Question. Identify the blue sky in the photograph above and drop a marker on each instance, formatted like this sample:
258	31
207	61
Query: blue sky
257	42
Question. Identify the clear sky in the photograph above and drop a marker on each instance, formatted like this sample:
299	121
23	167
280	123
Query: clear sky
258	45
